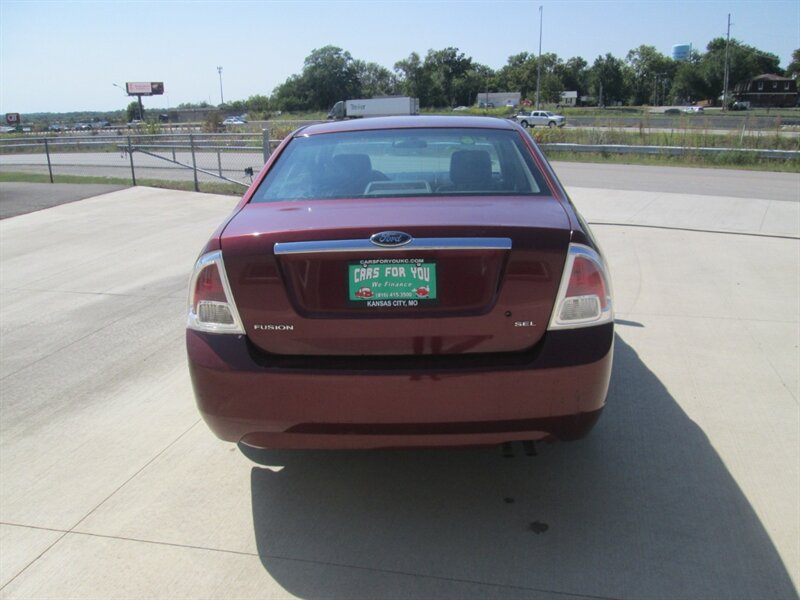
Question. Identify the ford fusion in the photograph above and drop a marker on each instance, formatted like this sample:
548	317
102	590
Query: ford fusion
401	282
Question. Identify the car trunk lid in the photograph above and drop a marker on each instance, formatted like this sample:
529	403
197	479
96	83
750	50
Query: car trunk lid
396	276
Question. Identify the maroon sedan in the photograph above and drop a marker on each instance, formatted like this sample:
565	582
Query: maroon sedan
398	282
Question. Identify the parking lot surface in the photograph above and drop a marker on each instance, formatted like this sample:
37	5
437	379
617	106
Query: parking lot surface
112	486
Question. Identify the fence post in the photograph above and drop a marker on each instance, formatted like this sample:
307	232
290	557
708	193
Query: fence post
130	156
49	166
194	163
219	162
265	143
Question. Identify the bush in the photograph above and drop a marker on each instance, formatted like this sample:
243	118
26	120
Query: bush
213	122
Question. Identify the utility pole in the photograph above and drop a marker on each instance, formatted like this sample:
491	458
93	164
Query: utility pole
725	83
221	97
539	62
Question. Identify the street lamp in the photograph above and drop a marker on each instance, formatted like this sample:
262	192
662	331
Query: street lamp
221	97
726	74
539	60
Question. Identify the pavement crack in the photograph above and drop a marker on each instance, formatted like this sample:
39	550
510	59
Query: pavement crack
134	475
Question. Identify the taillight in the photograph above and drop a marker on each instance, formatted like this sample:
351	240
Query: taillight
211	305
584	296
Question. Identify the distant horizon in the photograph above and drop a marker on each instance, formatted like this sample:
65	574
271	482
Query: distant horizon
93	47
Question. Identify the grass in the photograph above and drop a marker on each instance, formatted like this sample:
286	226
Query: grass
684	138
733	160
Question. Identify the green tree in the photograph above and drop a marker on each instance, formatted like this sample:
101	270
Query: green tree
184	105
474	81
329	75
413	79
793	70
291	95
574	74
550	84
258	104
688	85
518	74
446	69
375	80
607	80
133	111
649	74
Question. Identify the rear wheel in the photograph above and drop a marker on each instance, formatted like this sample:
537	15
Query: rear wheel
524	124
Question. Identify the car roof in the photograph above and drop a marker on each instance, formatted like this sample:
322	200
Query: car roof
407	122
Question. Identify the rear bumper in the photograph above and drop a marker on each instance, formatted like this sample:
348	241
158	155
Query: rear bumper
555	391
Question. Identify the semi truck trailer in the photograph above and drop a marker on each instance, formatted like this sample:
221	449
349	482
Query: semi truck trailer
374	107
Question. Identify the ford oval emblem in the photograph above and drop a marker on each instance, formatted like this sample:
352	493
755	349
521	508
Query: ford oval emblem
389	239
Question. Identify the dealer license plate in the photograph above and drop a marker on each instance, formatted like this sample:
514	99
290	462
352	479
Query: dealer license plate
392	282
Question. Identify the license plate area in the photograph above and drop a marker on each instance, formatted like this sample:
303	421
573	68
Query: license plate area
392	283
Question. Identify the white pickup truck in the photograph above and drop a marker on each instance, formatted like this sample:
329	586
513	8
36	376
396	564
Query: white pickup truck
542	118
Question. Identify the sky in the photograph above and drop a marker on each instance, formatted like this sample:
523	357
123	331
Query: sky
64	56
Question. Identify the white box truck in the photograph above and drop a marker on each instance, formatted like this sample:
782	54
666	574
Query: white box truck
374	107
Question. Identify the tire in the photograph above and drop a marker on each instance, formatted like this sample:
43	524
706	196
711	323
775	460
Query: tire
551	124
524	124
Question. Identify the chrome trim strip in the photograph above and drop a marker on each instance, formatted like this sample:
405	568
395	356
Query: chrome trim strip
415	244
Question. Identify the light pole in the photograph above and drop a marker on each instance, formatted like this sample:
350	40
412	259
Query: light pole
725	77
539	61
221	97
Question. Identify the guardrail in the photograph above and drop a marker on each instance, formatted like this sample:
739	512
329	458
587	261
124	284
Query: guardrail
668	150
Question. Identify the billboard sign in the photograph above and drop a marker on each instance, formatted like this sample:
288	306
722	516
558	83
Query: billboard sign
145	88
13	119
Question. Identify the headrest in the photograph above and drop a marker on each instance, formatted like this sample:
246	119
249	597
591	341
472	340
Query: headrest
471	169
353	163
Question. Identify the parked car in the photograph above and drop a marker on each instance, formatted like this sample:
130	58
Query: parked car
693	109
400	282
541	118
234	121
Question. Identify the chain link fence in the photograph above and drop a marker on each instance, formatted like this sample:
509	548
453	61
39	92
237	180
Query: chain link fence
207	162
227	162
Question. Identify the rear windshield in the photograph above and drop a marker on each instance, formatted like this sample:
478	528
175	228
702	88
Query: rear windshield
402	162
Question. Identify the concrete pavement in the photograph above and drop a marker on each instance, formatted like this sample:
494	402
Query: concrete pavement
110	485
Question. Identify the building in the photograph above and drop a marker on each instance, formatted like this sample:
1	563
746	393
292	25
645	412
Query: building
568	99
767	90
498	99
